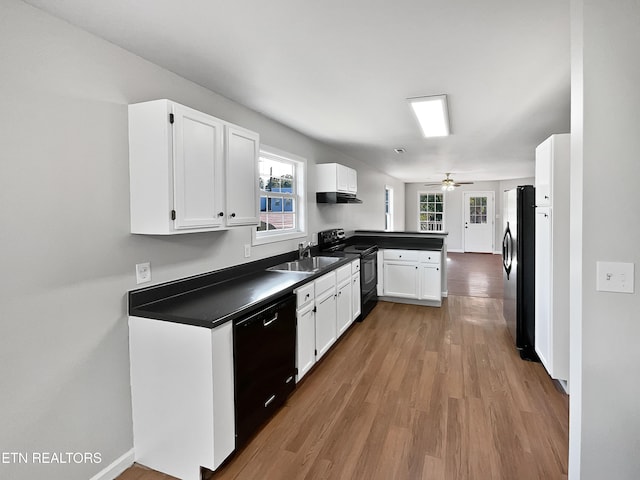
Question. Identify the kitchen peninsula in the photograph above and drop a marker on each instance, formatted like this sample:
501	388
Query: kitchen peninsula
413	275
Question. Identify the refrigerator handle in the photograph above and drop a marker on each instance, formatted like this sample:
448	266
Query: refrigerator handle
507	251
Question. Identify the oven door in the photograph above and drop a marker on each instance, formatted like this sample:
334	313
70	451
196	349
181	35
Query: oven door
368	272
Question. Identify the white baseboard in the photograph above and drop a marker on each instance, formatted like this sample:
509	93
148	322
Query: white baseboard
119	465
445	294
497	253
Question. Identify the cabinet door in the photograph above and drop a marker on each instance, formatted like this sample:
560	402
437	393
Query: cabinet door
325	323
352	181
342	178
197	169
401	279
380	279
430	288
355	296
306	341
544	156
242	147
343	308
543	282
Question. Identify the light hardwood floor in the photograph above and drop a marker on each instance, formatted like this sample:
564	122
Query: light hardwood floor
475	274
414	393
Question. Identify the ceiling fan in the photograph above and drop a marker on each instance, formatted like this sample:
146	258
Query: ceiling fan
447	183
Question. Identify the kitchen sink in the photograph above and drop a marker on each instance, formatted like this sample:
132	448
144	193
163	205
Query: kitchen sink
305	266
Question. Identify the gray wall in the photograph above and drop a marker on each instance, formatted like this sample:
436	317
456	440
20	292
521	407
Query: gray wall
454	208
605	327
67	255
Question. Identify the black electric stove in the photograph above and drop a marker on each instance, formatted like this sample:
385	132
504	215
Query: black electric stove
334	242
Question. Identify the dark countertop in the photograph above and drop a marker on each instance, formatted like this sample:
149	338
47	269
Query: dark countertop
212	299
385	233
400	240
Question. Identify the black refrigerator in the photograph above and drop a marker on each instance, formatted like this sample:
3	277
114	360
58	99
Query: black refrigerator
518	261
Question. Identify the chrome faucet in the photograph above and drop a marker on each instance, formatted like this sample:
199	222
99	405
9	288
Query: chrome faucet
304	250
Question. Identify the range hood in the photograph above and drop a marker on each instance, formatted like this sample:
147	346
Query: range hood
336	197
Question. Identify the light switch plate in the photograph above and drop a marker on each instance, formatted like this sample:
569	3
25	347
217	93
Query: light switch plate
247	250
143	272
614	277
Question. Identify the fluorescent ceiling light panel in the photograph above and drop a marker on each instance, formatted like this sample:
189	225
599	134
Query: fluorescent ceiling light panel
432	114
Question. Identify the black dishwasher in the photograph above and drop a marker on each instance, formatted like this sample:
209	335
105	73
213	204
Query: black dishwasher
264	358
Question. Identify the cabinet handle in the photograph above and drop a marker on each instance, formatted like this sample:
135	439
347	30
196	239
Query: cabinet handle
271	399
233	215
266	323
221	214
546	197
288	379
307	296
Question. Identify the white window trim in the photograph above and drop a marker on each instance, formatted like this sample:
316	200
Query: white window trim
390	224
301	182
444	211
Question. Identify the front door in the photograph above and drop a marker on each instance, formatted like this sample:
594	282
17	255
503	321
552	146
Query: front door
479	222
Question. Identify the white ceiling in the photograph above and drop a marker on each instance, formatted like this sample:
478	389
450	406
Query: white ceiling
340	70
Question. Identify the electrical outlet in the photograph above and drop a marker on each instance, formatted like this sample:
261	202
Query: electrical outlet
143	272
247	250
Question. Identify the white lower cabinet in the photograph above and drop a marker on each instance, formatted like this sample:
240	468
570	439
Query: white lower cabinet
343	299
356	308
182	393
306	343
326	331
430	276
430	282
412	275
316	320
343	307
401	279
326	308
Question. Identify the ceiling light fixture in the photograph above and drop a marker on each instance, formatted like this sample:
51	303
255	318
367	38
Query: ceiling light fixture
432	114
448	185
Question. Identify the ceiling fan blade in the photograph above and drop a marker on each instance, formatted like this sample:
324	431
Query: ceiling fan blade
447	181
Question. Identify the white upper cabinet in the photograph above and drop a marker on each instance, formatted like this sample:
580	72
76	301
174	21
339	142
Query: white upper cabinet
548	154
242	148
333	177
189	171
197	169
